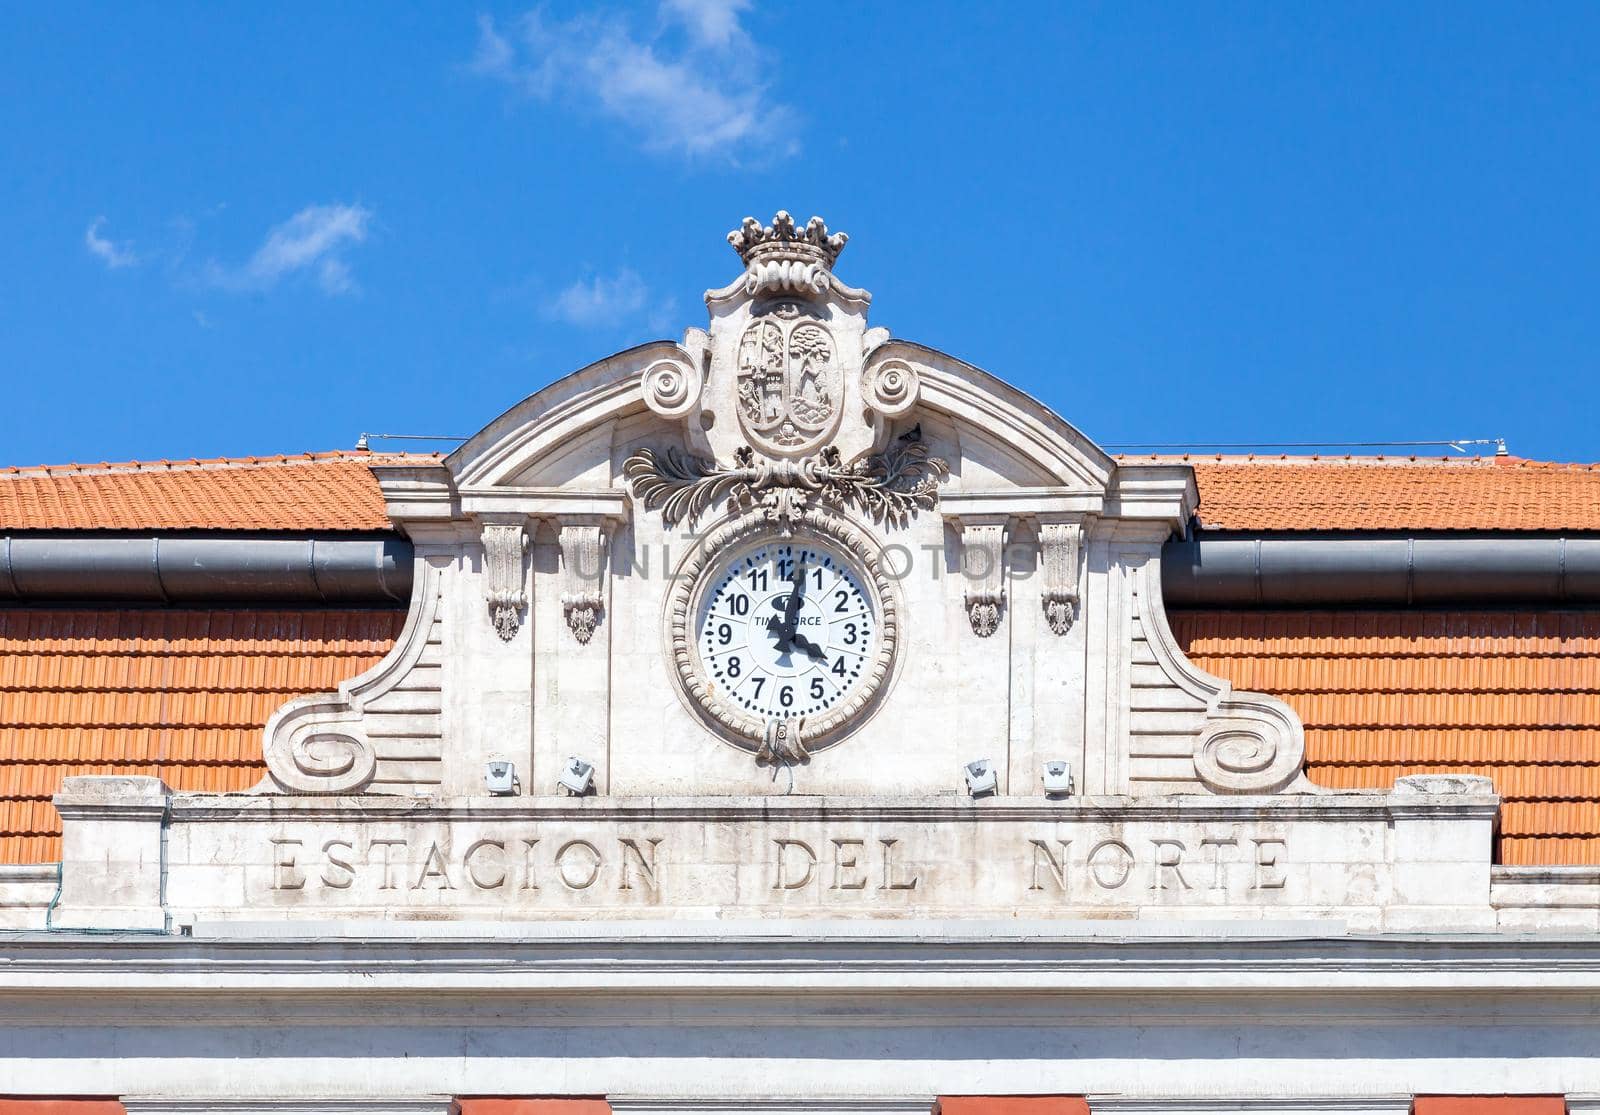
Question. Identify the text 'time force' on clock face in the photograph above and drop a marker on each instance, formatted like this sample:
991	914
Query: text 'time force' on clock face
786	629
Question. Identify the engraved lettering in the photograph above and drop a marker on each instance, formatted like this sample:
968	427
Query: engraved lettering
1216	844
530	880
847	873
387	859
347	876
285	873
644	863
1043	857
1266	861
499	879
781	863
1169	854
434	867
889	882
1121	860
583	882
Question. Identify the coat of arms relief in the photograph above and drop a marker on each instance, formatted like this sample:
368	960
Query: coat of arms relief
789	382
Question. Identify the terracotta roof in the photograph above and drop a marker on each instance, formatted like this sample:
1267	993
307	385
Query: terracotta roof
336	491
1509	695
184	695
316	491
1410	493
181	695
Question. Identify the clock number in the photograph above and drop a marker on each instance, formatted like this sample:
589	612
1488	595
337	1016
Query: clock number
725	633
733	666
841	602
818	573
739	604
838	667
758	681
758	580
785	568
849	634
786	696
817	691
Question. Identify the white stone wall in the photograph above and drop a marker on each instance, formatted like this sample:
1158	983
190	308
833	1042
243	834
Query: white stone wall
1167	1018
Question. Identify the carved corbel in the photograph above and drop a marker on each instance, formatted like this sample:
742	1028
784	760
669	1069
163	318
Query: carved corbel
505	545
1058	545
983	568
584	555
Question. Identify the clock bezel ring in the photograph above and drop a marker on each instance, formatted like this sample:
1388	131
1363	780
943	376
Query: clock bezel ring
696	575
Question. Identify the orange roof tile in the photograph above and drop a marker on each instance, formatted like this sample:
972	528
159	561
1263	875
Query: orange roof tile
1459	493
317	491
1508	695
336	491
181	695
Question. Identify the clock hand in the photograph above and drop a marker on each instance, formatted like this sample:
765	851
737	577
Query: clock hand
791	611
815	652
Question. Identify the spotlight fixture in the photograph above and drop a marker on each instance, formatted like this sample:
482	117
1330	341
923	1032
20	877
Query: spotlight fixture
500	776
981	778
577	776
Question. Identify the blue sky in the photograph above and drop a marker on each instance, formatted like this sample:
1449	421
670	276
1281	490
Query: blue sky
239	229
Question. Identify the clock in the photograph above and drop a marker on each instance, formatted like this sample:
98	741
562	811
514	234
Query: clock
785	629
791	629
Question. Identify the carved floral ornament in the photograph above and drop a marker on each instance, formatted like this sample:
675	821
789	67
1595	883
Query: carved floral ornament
889	487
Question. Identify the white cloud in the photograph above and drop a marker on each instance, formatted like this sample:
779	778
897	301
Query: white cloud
697	93
601	300
109	252
714	23
314	241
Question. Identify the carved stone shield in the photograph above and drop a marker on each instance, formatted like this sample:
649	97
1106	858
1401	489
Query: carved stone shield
789	381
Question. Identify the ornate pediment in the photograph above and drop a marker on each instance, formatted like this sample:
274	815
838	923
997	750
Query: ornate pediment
789	535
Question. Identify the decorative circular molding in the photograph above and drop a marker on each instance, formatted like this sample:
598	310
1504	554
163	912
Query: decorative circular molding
672	387
1240	757
696	574
891	388
323	759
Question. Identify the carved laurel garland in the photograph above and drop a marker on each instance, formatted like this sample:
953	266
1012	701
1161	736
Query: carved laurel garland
889	487
692	579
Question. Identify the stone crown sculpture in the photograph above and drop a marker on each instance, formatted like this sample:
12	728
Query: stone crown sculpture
783	241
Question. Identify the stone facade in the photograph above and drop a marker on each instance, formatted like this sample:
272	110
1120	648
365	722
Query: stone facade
1017	842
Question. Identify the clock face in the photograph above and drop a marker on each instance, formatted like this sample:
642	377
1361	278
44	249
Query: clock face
786	630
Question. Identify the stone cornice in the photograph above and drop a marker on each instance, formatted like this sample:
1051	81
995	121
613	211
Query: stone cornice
1175	960
1198	808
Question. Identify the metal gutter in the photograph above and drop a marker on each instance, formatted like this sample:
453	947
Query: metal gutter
1366	570
1230	571
183	569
